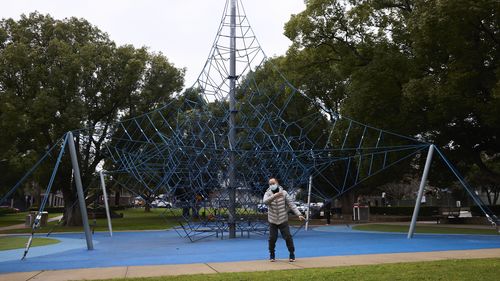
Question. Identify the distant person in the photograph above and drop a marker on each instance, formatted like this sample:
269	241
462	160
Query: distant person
361	200
277	200
196	205
338	208
327	209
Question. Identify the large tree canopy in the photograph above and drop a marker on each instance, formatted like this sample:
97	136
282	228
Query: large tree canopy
61	75
429	69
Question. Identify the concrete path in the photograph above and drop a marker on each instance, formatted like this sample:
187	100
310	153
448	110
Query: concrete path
22	225
244	266
433	223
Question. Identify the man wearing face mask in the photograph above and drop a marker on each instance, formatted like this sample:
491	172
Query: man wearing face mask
277	200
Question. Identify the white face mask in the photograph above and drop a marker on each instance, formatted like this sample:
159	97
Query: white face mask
273	187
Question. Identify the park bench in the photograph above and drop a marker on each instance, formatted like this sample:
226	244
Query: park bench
447	213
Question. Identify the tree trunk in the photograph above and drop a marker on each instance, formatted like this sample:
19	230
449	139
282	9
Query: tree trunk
492	196
489	196
347	201
37	195
72	215
117	198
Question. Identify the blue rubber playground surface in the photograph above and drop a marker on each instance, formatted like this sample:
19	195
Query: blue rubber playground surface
166	247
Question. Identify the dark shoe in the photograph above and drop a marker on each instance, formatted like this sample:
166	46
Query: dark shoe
271	257
292	257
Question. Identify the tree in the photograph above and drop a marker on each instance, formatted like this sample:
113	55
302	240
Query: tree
60	75
428	69
456	89
486	181
404	189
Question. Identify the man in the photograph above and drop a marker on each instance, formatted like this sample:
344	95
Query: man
277	200
327	208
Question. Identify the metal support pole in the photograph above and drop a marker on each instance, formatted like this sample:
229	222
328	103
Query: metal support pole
79	190
421	191
232	124
105	194
308	202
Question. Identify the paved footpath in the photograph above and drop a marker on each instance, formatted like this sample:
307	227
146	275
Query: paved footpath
22	225
244	266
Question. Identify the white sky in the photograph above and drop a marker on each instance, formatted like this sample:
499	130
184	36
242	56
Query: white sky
183	30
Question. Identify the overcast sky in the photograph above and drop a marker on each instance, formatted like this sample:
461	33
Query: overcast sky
183	30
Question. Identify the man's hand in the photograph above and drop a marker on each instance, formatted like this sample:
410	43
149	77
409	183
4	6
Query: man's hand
278	194
301	218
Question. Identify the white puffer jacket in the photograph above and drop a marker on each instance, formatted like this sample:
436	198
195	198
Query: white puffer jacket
278	206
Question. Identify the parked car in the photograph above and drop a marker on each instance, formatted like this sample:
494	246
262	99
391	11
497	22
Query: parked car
262	208
301	207
316	204
158	203
139	202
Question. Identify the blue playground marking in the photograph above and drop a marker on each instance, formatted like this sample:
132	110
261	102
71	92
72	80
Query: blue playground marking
165	247
65	244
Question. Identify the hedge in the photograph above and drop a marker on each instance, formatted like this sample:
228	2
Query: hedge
404	211
476	211
53	210
425	210
7	210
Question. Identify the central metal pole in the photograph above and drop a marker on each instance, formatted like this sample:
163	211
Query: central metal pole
79	190
232	124
421	191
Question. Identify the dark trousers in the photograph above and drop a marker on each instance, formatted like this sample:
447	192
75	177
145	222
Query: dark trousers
328	215
285	233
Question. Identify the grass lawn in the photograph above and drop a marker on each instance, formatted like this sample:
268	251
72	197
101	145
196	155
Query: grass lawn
18	218
473	269
137	219
133	219
424	229
9	243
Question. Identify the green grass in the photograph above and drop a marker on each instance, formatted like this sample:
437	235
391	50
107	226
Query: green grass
472	269
137	219
133	219
18	218
424	229
9	243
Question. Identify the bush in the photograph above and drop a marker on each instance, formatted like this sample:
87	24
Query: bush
53	210
50	210
476	211
404	211
4	210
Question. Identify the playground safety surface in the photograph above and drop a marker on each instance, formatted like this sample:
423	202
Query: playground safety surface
157	253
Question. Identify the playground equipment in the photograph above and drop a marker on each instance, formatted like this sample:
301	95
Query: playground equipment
214	148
